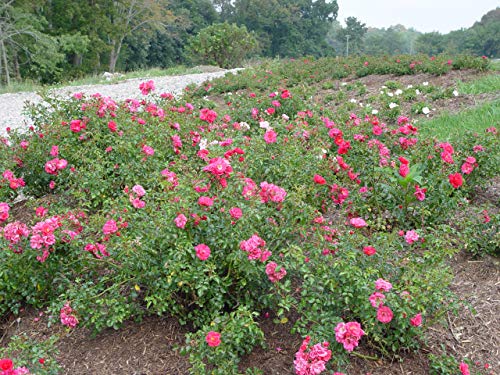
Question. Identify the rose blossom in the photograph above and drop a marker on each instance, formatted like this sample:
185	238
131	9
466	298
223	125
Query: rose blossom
411	236
213	338
139	190
383	285
376	299
348	334
420	193
205	201
4	211
274	275
369	250
320	180
464	368
270	136
455	180
202	251
236	213
180	221
416	321
358	222
110	227
384	314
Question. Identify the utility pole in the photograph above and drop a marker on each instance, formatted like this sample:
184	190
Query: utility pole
347	50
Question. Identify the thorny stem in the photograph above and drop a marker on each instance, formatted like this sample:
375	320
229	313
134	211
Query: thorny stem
364	356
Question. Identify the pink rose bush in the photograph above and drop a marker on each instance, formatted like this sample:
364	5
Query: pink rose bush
349	334
67	316
311	360
261	201
255	248
274	273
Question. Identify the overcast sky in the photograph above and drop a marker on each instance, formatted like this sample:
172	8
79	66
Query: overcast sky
423	15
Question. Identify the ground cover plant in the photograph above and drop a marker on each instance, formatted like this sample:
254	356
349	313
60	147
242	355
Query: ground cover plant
245	198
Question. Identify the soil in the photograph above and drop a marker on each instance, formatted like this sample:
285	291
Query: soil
374	83
151	346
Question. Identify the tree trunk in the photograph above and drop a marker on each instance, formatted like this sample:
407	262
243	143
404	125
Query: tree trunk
16	67
77	59
5	63
0	71
115	53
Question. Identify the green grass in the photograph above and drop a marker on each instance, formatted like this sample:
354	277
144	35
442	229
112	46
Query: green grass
451	127
485	84
98	79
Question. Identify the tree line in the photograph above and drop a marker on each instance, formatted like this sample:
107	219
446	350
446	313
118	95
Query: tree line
481	39
56	40
53	40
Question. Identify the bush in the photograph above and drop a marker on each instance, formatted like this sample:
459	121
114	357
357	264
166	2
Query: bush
222	44
270	203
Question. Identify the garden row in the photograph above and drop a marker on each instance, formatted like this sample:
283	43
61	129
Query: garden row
214	214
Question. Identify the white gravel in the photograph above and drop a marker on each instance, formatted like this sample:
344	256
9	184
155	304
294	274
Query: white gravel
12	105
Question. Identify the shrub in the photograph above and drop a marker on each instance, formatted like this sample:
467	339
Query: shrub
216	214
222	44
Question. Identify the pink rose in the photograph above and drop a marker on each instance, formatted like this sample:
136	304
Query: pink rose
464	368
270	136
205	201
416	321
202	251
411	236
383	285
236	213
357	222
110	227
376	299
384	314
213	338
139	190
180	221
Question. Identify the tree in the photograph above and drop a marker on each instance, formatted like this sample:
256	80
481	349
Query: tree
430	43
124	17
351	36
288	27
223	44
391	41
20	33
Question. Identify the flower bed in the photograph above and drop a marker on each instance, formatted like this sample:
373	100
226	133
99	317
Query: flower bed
215	214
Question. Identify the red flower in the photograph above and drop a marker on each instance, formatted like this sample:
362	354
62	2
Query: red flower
369	250
213	338
416	321
112	126
464	368
455	180
404	170
319	179
6	364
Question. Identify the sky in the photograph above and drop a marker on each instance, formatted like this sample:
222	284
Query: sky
423	15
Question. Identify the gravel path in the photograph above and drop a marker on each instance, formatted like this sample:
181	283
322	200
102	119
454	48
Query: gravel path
11	105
